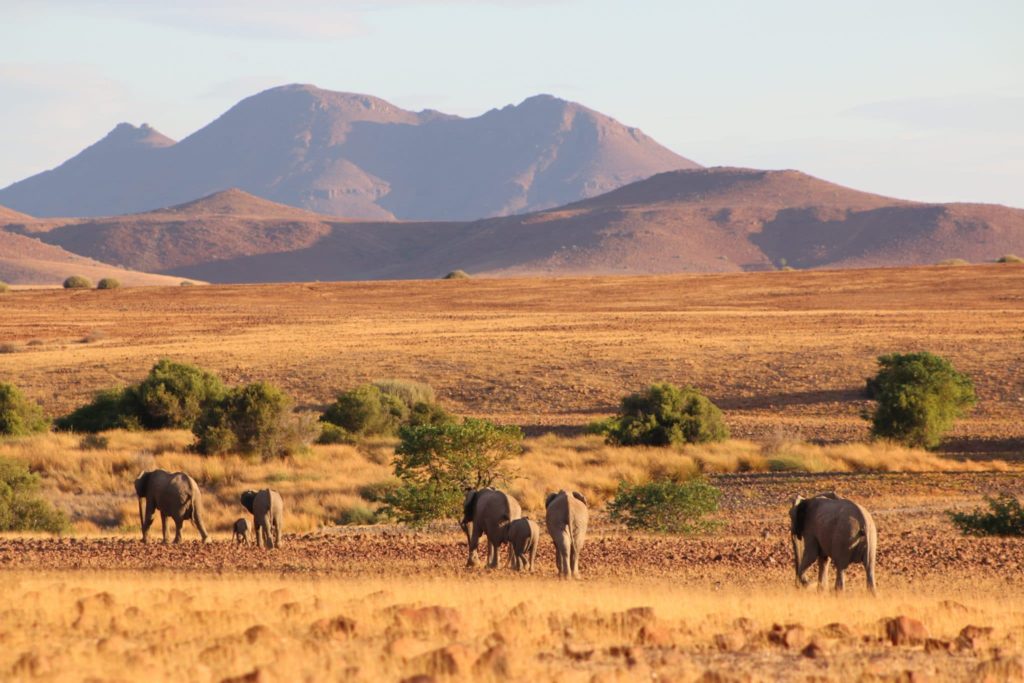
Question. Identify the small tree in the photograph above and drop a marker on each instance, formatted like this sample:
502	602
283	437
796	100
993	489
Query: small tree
436	463
77	282
18	415
108	283
665	506
919	396
1005	517
257	419
174	395
21	508
382	407
664	415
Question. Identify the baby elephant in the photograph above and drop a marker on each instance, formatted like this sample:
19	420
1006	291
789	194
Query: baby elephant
241	530
828	527
267	510
523	536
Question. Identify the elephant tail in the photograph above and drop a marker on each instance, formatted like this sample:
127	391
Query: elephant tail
197	513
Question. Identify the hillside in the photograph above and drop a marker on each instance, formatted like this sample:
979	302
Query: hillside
356	156
28	261
706	220
12	216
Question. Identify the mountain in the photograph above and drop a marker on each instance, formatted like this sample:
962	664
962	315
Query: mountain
704	220
28	261
356	156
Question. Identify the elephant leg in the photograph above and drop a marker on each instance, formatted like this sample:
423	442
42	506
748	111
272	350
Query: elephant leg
532	556
474	542
163	523
574	561
277	534
493	550
840	584
562	544
822	571
177	529
148	519
809	557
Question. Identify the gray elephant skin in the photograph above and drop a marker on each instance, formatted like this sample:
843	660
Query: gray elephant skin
176	496
523	538
267	510
828	527
566	518
241	531
488	512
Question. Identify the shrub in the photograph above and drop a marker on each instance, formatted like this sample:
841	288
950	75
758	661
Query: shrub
919	396
21	508
357	514
953	262
664	415
9	347
436	463
382	407
93	442
333	434
377	491
109	409
456	275
3	287
108	283
77	282
665	506
186	283
94	336
1005	517
1010	258
18	415
253	419
174	395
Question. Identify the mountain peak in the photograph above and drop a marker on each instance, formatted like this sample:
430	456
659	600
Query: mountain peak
126	135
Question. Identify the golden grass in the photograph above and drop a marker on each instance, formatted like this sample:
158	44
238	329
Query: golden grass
322	486
133	626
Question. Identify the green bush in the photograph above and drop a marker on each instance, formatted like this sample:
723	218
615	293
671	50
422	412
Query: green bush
919	396
1005	517
108	283
436	463
252	419
664	415
93	442
18	415
1010	258
377	491
357	514
666	506
456	275
333	434
3	287
174	395
77	282
21	508
382	407
109	409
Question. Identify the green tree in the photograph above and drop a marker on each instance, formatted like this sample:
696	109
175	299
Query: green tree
436	463
18	415
21	508
665	506
256	419
664	415
174	395
383	407
918	397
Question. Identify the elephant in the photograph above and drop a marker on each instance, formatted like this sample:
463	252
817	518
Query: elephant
489	511
829	527
523	538
567	517
267	510
176	496
241	530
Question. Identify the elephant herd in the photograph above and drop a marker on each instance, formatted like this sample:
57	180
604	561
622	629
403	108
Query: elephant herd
825	529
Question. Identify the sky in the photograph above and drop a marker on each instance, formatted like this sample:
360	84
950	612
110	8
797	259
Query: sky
912	99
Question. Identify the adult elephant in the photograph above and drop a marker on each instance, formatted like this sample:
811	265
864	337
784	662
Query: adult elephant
176	496
488	512
267	510
829	527
566	517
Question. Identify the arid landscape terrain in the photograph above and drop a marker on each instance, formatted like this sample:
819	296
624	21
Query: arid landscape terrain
784	354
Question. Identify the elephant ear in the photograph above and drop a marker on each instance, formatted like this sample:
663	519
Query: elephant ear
247	498
579	496
798	517
140	484
468	504
551	497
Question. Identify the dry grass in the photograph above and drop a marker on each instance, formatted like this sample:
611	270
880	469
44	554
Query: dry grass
134	626
91	478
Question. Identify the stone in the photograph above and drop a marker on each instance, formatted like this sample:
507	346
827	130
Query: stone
905	631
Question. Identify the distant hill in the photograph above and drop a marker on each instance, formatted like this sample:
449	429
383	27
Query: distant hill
356	156
705	220
28	261
12	216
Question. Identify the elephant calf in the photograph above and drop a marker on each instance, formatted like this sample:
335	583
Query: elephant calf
176	496
523	537
566	517
488	512
267	510
828	527
241	530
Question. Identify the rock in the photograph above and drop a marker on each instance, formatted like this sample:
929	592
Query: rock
813	651
493	663
836	630
257	633
733	641
451	660
257	675
95	611
972	637
338	628
1000	669
791	636
433	618
578	651
934	645
905	631
419	678
655	634
406	648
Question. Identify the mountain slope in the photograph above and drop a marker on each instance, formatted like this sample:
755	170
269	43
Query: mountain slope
356	156
12	216
707	220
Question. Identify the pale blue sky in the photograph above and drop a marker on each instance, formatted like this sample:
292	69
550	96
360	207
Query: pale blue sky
915	99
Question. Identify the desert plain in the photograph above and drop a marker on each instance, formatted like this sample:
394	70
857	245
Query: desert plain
784	354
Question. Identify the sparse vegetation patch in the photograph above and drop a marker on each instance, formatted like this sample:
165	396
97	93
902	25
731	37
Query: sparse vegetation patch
1005	517
666	505
21	506
19	416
